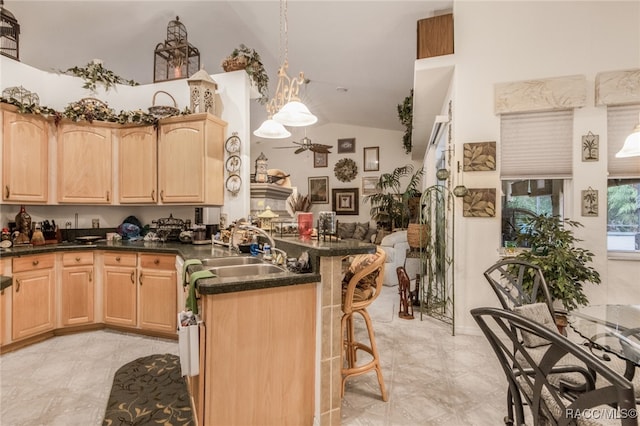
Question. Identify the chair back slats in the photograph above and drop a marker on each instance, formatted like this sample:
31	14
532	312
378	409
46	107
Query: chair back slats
538	379
377	266
517	282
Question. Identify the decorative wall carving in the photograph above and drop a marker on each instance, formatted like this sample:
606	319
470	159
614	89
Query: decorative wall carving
541	95
618	87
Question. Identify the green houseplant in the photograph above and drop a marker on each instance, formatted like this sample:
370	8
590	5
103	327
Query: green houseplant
390	204
566	267
405	114
243	57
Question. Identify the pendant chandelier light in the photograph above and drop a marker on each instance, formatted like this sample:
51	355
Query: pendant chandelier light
631	147
285	108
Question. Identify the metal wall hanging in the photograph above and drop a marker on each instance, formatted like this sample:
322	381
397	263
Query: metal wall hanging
175	58
590	147
9	34
479	156
589	202
21	95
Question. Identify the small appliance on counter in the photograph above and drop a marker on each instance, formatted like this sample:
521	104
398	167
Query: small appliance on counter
200	235
209	217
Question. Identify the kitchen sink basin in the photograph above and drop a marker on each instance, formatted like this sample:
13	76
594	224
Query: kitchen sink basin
231	261
246	270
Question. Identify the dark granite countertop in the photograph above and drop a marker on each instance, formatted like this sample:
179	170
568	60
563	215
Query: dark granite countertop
293	247
5	282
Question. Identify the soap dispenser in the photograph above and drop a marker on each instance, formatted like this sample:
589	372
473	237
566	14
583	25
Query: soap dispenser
253	248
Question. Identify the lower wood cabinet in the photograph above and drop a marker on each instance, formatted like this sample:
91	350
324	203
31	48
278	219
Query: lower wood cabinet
120	292
33	295
77	290
158	293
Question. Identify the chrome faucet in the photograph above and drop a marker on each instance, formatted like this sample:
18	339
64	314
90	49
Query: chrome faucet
279	259
260	231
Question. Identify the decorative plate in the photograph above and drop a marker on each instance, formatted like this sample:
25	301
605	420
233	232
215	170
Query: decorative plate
346	170
233	164
232	145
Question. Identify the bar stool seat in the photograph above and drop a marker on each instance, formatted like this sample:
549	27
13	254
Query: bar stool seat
360	287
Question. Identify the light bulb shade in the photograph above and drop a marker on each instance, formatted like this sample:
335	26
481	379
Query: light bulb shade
271	129
295	114
631	147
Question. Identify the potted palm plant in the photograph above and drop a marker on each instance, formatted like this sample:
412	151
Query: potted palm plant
243	57
390	204
566	267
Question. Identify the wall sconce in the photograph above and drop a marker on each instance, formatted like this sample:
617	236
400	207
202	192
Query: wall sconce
460	190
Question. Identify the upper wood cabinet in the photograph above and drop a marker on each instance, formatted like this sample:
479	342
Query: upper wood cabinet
25	148
137	165
85	163
190	159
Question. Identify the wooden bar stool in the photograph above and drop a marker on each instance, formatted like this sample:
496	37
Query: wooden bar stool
360	287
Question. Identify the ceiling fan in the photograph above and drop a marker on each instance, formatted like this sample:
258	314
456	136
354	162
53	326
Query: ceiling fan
306	144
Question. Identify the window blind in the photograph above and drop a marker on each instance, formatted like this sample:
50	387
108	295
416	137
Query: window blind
536	145
620	122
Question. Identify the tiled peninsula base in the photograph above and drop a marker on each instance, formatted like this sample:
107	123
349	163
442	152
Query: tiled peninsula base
331	346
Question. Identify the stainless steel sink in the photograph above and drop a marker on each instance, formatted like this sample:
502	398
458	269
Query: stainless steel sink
231	261
246	270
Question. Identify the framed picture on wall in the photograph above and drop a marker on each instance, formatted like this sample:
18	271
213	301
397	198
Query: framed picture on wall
319	189
320	159
371	159
345	201
369	185
346	145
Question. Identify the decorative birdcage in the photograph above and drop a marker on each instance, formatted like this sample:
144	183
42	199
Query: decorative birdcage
176	57
21	95
202	92
9	34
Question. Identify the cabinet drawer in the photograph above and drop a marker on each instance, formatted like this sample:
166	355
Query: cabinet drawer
119	259
31	263
77	258
155	261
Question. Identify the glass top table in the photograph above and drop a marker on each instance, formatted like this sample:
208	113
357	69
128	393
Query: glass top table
613	329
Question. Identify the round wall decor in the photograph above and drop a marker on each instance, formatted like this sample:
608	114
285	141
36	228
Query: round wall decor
346	170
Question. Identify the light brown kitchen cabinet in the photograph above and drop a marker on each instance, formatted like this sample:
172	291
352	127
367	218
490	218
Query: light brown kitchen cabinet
120	290
137	165
190	159
77	290
33	288
25	148
85	163
158	293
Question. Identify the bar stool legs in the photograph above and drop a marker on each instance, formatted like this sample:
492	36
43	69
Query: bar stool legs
351	346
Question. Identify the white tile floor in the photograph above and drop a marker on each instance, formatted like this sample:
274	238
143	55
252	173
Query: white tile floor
432	377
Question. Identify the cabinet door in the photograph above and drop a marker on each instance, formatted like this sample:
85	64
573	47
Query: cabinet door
158	300
84	164
77	295
33	303
120	296
25	158
181	159
137	162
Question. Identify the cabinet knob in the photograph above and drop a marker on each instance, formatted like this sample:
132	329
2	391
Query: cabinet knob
7	192
35	262
108	196
153	195
140	278
162	195
17	285
118	259
77	259
156	262
133	281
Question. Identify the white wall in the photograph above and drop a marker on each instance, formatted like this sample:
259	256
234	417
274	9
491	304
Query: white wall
300	166
57	91
498	42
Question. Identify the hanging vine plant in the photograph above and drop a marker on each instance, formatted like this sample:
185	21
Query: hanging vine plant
405	114
94	73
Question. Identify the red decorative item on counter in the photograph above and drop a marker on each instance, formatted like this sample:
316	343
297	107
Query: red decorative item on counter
305	225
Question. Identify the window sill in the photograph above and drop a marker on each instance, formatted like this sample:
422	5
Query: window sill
623	255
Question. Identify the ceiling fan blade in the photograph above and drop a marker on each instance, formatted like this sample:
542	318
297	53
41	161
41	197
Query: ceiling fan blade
283	147
322	149
299	150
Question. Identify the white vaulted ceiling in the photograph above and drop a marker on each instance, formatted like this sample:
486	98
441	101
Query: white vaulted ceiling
368	47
